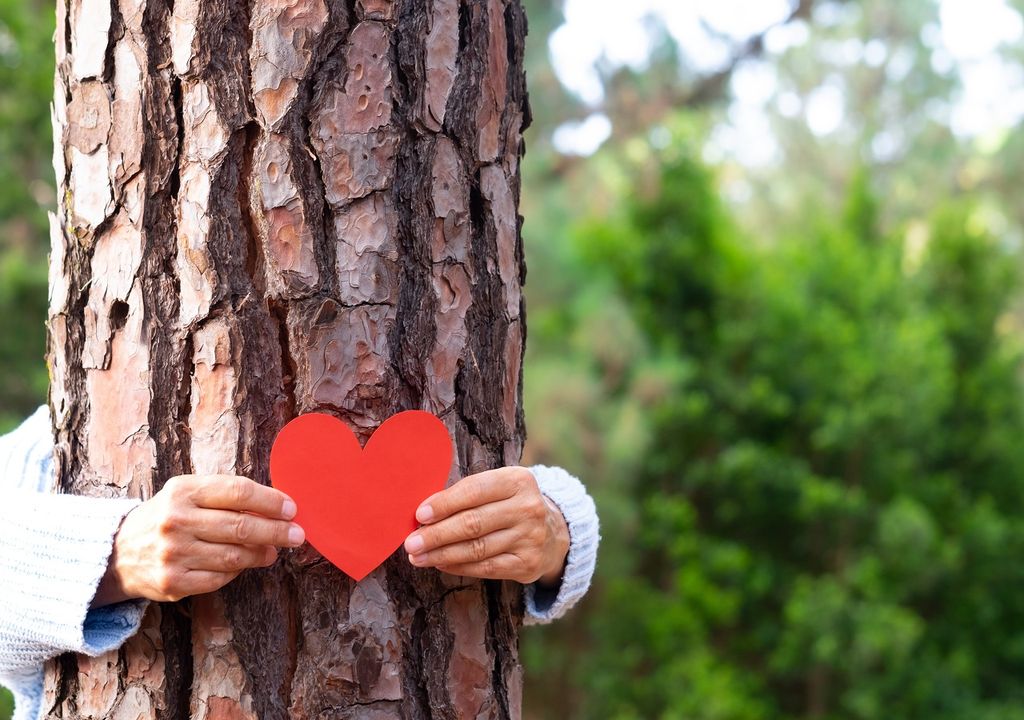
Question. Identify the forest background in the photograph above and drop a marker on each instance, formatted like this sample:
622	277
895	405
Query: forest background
776	324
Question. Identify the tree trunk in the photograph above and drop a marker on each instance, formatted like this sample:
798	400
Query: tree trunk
271	209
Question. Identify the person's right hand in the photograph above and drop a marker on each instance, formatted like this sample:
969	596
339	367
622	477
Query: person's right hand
195	536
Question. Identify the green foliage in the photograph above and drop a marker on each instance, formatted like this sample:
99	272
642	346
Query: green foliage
830	504
23	379
26	86
26	192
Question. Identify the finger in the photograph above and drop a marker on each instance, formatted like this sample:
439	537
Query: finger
471	551
224	526
222	558
230	492
198	582
500	567
465	525
472	491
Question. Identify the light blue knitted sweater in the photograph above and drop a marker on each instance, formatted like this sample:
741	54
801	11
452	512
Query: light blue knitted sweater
45	589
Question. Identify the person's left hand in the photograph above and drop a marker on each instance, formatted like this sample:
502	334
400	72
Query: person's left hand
496	525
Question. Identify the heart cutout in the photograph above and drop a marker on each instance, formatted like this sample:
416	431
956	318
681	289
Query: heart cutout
358	505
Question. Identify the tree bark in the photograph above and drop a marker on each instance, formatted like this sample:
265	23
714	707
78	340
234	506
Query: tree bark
268	209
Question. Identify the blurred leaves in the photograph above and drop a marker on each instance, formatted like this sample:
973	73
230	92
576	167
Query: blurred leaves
23	381
26	193
26	86
818	510
827	492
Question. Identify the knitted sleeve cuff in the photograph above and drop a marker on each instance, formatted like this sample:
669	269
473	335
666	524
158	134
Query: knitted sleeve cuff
54	551
542	604
107	628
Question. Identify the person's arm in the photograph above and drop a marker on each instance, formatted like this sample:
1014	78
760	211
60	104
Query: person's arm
53	552
537	526
75	572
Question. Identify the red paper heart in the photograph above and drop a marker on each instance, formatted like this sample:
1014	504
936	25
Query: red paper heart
357	505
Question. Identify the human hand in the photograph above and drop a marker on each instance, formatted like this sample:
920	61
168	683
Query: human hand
496	524
195	536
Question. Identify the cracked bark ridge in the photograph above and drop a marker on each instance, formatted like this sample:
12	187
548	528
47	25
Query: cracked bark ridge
277	208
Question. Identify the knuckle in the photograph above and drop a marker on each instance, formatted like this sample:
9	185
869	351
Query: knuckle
481	492
473	491
165	554
165	526
170	522
478	549
243	529
233	559
473	524
166	583
537	509
177	488
242	491
527	574
488	568
523	479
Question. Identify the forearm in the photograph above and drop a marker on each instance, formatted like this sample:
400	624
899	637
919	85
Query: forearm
45	590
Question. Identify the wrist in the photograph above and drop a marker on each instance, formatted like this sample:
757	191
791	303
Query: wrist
112	588
552	577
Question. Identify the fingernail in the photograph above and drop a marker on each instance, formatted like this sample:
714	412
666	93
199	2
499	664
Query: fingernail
414	543
425	513
417	559
288	509
296	535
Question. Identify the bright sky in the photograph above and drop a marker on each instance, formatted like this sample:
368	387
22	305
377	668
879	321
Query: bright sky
615	33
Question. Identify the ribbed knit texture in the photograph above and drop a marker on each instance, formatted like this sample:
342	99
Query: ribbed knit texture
568	493
53	553
46	587
26	454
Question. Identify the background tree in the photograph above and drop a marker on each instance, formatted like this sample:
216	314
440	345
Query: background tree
827	475
271	210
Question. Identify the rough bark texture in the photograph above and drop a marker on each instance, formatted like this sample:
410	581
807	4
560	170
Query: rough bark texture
269	209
